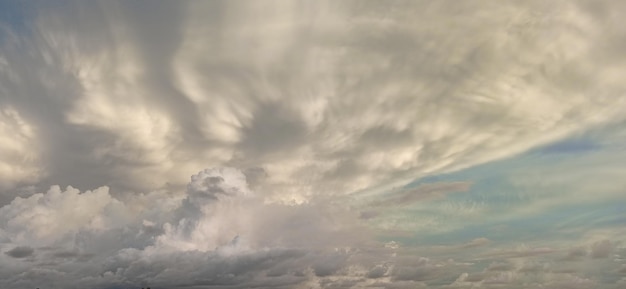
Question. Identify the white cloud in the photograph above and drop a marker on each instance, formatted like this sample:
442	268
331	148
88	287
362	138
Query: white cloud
43	219
219	229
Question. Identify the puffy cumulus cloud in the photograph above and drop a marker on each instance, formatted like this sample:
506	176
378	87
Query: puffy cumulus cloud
334	97
213	209
219	233
43	219
217	207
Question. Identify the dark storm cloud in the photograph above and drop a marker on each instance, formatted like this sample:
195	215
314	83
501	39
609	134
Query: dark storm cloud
20	252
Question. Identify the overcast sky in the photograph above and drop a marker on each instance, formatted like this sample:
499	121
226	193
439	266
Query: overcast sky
312	144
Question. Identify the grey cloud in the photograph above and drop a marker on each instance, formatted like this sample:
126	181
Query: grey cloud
365	215
20	252
521	253
273	128
416	269
601	249
378	271
73	255
504	277
414	274
576	254
66	254
532	268
255	176
500	267
475	277
328	265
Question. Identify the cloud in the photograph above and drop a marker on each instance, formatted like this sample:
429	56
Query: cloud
212	213
601	249
20	252
520	252
220	229
500	267
136	100
576	253
312	115
201	239
423	192
19	157
47	218
204	239
477	243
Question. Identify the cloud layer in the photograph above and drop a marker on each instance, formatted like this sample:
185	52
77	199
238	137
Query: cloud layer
221	234
326	98
349	144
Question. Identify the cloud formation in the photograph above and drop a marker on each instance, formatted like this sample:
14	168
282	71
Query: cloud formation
330	131
218	234
20	252
135	99
222	234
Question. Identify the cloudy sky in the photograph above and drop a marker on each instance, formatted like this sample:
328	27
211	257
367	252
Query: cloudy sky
312	144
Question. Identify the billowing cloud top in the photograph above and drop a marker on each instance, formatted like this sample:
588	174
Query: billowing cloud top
330	144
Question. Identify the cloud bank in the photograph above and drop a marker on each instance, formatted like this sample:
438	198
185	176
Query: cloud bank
221	234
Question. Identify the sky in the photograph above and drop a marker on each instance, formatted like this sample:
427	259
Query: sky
312	144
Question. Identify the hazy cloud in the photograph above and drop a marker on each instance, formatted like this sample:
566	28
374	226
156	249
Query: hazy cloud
601	249
423	192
